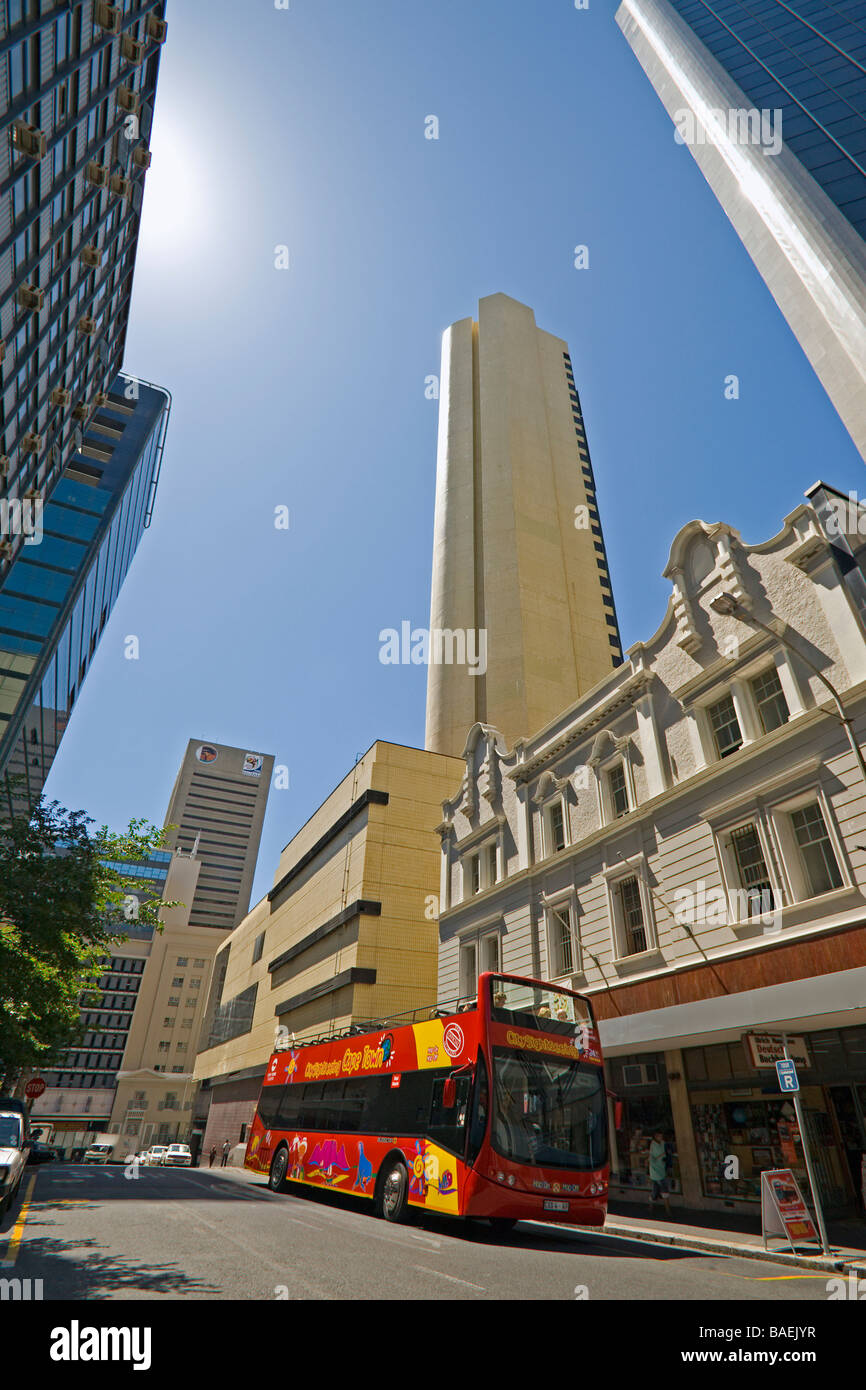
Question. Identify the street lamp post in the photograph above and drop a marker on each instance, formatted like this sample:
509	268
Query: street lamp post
731	607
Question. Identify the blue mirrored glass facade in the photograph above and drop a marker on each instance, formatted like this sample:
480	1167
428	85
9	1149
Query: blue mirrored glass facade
58	593
806	58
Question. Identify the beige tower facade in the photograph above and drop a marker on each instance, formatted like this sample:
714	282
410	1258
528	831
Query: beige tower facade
518	552
218	808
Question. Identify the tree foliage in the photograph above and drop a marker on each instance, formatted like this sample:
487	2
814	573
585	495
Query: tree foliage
63	908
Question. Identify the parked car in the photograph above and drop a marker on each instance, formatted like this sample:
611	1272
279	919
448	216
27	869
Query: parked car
155	1154
177	1156
14	1148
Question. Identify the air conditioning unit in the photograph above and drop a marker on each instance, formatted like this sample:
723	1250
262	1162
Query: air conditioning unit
29	139
127	99
60	396
2	350
97	174
4	465
120	185
5	550
100	400
81	412
31	297
87	325
132	49
91	256
141	157
156	28
33	495
107	17
646	1074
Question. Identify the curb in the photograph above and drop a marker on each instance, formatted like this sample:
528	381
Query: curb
746	1252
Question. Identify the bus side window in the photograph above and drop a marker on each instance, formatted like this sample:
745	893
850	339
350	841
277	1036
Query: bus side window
480	1107
269	1104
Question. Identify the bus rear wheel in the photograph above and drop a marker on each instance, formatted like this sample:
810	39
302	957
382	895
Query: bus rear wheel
392	1193
277	1175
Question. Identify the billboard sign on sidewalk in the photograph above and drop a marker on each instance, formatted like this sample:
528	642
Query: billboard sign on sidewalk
783	1211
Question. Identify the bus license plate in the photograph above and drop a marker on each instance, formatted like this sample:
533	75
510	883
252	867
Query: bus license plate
556	1206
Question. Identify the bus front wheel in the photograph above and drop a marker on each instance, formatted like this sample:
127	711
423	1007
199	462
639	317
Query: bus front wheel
392	1195
277	1176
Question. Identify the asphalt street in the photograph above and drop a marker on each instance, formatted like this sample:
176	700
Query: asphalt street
98	1233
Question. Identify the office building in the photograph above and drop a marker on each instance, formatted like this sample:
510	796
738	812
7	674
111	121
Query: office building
217	807
132	1072
520	574
770	98
347	933
56	595
684	845
77	86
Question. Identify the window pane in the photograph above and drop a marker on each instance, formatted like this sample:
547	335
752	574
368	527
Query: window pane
770	700
816	851
618	791
752	870
632	916
726	728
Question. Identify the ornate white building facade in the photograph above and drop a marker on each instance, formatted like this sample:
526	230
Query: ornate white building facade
687	845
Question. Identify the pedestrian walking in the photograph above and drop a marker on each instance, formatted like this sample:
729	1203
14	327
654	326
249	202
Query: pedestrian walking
225	1153
658	1172
212	1156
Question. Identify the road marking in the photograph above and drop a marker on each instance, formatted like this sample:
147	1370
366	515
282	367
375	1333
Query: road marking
450	1277
18	1228
771	1278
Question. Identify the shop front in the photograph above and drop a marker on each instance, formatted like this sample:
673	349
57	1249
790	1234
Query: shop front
640	1106
743	1124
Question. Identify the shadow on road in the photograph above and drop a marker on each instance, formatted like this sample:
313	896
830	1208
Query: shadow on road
80	1270
527	1235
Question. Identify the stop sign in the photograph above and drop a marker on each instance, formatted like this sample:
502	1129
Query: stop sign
33	1090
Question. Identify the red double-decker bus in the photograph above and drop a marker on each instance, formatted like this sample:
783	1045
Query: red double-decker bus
492	1108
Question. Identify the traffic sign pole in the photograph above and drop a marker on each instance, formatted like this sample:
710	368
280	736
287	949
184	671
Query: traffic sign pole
813	1186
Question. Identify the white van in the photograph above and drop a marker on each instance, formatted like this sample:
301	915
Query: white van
13	1156
108	1148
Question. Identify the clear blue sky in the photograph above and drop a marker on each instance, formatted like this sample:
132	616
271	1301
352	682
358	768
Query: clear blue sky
305	388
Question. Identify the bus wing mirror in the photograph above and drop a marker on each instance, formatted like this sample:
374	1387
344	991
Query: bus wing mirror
449	1093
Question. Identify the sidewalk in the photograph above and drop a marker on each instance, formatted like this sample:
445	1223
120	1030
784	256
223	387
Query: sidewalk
723	1234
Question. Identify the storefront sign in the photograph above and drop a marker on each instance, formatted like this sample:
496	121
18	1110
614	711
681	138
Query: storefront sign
766	1049
783	1211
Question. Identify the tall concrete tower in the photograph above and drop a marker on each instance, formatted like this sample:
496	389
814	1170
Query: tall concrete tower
518	551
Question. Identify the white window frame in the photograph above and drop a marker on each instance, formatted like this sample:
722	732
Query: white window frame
603	766
617	924
733	889
477	941
549	849
780	815
552	905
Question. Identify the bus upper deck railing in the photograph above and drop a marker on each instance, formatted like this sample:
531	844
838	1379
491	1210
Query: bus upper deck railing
378	1025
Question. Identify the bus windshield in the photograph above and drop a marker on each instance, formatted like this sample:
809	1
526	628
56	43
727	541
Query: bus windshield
548	1113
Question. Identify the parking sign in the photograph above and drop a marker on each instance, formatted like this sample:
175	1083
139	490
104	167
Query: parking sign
787	1074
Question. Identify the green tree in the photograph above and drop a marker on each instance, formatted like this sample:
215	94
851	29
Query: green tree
62	910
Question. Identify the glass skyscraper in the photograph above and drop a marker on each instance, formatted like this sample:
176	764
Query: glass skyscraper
798	201
807	60
56	596
78	456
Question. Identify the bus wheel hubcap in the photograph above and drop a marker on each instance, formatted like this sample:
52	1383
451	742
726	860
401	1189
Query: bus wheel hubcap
393	1189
